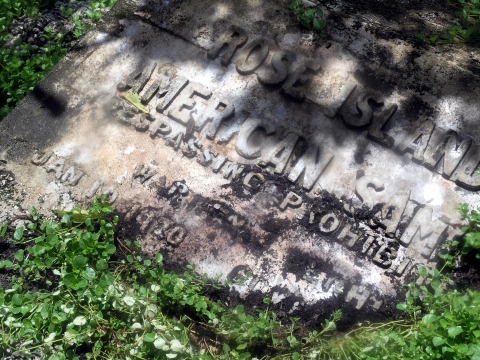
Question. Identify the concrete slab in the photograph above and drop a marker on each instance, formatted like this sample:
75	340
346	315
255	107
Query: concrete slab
328	170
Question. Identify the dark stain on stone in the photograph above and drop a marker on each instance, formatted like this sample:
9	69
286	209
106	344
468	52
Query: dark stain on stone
38	123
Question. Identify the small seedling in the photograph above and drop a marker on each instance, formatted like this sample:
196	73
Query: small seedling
468	28
311	19
66	13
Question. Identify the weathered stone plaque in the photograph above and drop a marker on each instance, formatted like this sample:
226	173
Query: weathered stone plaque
229	139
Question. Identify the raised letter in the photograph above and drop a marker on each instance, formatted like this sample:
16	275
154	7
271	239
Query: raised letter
465	176
186	101
178	187
159	127
281	60
57	167
143	172
279	155
231	129
218	111
176	236
358	293
246	150
362	189
402	266
175	141
298	75
72	176
346	233
190	150
205	159
248	60
328	223
445	147
111	195
138	78
417	140
248	178
232	169
423	232
168	95
395	207
160	82
375	131
311	165
360	114
217	165
384	256
340	99
233	219
96	185
40	159
292	199
233	38
367	244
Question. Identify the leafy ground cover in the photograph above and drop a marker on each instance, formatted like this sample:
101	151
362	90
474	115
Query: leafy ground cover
78	290
310	18
467	28
22	64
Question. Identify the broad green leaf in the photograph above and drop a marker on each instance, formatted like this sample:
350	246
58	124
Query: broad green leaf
71	281
310	13
159	343
159	258
80	320
461	348
176	346
130	301
149	337
241	346
18	234
106	280
52	239
19	255
17	299
111	249
422	271
137	326
79	262
50	337
437	341
435	284
151	311
5	263
428	319
89	273
134	99
102	265
402	306
67	308
454	331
